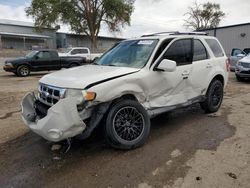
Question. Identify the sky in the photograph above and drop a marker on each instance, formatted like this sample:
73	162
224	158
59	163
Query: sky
149	16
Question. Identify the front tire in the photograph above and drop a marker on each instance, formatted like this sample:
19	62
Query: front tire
127	125
23	71
214	97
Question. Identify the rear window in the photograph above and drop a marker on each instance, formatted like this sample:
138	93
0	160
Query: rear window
215	47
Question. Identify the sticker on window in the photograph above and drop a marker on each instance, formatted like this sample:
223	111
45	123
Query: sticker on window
145	42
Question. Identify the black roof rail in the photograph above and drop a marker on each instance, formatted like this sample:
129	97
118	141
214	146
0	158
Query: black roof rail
175	33
190	33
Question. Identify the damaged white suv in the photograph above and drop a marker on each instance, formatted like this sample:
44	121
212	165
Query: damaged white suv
134	81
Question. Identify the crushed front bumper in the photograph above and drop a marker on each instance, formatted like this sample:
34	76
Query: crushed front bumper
61	122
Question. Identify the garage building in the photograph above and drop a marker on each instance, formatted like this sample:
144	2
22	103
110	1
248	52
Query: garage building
23	36
232	36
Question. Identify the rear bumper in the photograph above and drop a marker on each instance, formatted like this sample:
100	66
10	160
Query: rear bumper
61	122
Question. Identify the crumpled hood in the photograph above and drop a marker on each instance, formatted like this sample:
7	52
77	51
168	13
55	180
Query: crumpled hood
82	76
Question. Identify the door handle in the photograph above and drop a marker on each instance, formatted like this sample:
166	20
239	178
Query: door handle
185	74
209	66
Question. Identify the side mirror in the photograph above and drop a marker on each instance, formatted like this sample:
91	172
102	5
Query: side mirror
167	65
36	57
241	55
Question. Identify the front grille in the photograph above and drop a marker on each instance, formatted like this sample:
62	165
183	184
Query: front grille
245	65
41	109
50	95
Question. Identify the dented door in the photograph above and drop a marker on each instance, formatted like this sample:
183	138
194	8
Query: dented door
174	88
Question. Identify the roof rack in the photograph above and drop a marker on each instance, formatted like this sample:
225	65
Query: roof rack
175	33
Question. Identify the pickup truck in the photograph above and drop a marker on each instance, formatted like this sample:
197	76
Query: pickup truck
41	60
236	55
80	52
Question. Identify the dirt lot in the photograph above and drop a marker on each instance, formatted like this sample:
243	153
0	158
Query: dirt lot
186	148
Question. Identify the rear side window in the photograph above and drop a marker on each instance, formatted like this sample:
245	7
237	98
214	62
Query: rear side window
200	52
43	55
180	51
215	47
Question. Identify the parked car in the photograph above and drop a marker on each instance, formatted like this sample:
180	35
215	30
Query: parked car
242	68
41	60
236	55
131	83
80	52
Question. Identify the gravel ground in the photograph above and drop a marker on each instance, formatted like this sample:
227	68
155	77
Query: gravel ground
186	148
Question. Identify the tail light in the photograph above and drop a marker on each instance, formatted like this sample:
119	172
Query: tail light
227	64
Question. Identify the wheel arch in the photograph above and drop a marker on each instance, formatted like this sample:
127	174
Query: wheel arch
74	63
220	78
24	64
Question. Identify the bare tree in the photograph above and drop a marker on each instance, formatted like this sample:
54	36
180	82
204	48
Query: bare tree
203	16
83	16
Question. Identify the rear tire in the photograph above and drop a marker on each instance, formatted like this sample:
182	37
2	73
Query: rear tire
127	125
214	97
23	71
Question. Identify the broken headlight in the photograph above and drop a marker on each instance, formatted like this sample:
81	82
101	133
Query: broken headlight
81	95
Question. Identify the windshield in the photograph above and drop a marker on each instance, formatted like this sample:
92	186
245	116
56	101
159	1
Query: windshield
134	53
31	54
66	50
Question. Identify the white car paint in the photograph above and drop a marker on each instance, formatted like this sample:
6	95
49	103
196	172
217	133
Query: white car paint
155	90
82	76
84	52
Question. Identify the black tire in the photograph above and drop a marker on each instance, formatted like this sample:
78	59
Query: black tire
214	97
121	130
23	71
240	79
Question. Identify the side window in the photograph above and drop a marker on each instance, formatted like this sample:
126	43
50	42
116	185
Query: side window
54	54
200	52
236	52
162	48
43	55
215	47
180	51
75	51
83	51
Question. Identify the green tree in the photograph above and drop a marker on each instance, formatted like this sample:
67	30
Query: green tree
203	16
83	16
